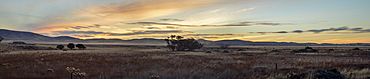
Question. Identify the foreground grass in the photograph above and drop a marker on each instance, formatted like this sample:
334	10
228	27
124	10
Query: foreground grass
143	63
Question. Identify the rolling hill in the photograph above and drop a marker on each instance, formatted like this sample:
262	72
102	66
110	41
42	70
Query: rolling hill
29	36
11	35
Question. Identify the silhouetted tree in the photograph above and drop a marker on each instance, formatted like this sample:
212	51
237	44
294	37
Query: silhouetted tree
225	51
178	43
18	42
71	46
179	37
331	49
356	48
308	48
1	38
173	36
170	45
80	46
60	47
209	52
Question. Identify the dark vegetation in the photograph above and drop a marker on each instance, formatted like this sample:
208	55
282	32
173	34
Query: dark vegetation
226	51
178	43
208	51
60	47
80	46
307	49
1	38
18	42
331	50
356	48
318	74
71	46
275	50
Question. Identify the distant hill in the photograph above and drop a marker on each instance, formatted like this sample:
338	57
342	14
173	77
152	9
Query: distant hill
232	42
20	35
29	36
139	41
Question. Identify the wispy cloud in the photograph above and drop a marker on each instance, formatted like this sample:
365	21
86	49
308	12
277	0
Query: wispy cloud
357	30
85	27
124	12
247	23
348	29
142	32
171	19
151	32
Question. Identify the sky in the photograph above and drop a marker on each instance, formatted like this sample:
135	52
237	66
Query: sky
317	21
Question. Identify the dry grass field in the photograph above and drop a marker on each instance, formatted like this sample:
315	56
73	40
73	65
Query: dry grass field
157	62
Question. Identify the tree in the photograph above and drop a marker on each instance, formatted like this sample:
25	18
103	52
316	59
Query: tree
356	48
178	43
179	37
172	36
80	46
1	38
60	47
71	46
308	48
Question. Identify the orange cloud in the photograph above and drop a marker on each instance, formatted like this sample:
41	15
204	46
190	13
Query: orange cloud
111	14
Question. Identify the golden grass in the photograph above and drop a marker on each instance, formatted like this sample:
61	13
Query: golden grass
144	62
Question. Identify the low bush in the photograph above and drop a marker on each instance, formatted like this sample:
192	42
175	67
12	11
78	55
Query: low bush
71	46
80	46
60	47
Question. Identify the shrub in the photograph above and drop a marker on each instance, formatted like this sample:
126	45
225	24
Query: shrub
178	43
76	73
307	49
275	50
241	50
1	38
226	51
209	52
331	49
71	46
60	47
356	48
18	42
80	46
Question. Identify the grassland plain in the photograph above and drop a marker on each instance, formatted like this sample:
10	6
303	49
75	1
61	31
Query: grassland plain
145	62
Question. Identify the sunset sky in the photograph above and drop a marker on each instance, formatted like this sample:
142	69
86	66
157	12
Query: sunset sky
319	21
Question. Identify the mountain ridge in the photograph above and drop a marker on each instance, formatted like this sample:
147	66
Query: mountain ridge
22	35
30	36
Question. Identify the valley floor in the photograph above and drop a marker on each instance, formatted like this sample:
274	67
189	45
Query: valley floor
145	62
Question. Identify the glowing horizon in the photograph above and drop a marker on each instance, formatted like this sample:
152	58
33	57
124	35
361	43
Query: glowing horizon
318	21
